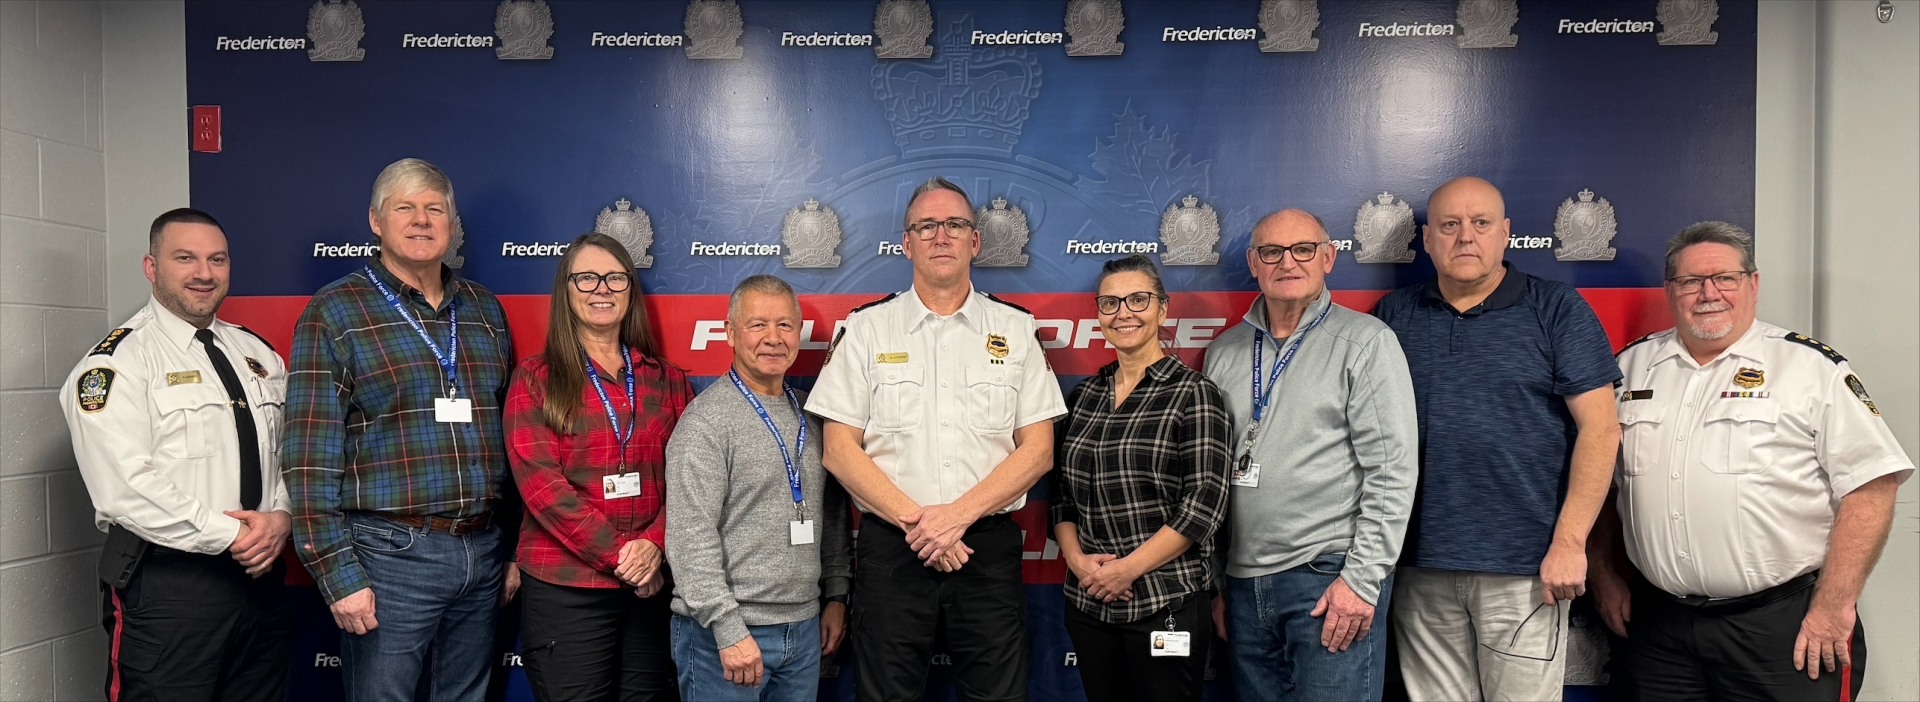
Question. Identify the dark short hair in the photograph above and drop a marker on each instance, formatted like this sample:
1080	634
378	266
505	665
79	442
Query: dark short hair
183	215
1710	232
1136	263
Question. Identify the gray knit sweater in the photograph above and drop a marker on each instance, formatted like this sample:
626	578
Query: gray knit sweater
728	508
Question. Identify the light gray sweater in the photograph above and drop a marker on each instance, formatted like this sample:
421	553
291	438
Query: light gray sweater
1339	447
728	509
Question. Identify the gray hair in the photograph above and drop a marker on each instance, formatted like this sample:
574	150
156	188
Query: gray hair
932	184
1710	232
761	283
411	175
1317	222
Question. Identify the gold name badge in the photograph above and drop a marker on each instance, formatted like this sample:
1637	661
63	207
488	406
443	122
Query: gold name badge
182	377
895	357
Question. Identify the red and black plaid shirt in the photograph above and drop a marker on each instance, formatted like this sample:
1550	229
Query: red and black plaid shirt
572	535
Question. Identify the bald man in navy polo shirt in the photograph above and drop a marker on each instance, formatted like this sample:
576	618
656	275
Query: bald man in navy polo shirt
1513	377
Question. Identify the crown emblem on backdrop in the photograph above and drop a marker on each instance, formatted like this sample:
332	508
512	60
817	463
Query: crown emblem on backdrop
631	227
1487	24
523	27
1003	233
713	29
811	233
335	28
1384	226
1189	232
1584	229
1287	25
903	27
1093	28
965	99
1687	22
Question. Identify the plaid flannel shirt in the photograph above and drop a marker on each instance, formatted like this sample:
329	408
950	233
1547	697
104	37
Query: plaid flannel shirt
572	534
1159	460
360	431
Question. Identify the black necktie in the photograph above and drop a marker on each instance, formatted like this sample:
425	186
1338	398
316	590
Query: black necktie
242	420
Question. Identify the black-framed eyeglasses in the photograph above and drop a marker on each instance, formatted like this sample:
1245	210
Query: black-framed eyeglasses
1689	284
1270	254
955	227
589	282
1138	302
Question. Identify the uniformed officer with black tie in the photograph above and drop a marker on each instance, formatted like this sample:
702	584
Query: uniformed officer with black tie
176	420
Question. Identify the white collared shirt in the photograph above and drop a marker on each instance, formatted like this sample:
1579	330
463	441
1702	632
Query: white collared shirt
1731	472
937	397
154	433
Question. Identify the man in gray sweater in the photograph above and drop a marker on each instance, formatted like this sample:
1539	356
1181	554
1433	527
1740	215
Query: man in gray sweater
1326	449
756	531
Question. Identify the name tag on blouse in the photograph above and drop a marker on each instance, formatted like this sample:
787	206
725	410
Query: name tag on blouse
1171	643
452	411
800	533
620	485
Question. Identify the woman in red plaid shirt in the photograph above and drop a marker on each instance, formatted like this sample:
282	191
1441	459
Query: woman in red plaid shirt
589	459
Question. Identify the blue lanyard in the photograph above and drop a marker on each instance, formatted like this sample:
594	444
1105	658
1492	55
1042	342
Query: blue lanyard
633	402
447	360
799	444
1259	339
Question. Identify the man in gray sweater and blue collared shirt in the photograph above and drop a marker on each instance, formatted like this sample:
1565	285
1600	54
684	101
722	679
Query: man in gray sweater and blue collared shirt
756	530
1326	449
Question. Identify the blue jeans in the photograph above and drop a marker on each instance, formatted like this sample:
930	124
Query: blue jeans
790	653
431	589
1274	644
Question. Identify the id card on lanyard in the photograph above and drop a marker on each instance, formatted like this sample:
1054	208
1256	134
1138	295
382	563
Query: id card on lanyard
621	483
1246	473
451	409
800	529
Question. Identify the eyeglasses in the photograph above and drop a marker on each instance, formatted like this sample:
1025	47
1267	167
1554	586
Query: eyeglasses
1688	285
1137	302
1303	253
955	227
589	282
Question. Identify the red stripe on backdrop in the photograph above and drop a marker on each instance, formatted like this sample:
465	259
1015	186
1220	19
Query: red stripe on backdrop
691	331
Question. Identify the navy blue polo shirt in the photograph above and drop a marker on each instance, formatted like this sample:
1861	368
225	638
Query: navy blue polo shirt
1496	439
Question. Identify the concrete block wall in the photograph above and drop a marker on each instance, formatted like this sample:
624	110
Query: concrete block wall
53	300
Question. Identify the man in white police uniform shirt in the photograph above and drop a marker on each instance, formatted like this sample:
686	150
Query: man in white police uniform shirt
1756	487
176	419
938	405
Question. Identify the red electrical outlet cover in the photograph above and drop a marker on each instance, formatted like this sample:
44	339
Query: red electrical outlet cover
206	128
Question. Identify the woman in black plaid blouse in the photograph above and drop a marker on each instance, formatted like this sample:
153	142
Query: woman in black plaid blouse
1142	486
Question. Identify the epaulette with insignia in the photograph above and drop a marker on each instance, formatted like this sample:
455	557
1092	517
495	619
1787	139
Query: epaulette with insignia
1634	343
107	345
1824	349
875	303
1023	310
257	335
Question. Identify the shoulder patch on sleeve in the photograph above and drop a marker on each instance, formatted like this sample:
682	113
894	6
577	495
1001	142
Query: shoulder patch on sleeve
1634	343
1023	310
1809	342
92	388
1860	390
257	335
875	303
107	346
837	336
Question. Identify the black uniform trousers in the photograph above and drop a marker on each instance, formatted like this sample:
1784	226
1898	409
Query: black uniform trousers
900	605
1736	649
590	644
1116	661
195	627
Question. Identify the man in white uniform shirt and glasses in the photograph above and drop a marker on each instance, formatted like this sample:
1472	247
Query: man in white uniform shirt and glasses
1755	490
938	406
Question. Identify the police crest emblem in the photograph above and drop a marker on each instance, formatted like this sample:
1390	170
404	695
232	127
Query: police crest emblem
335	29
713	29
1749	378
1687	22
1584	228
258	368
92	389
1487	24
1383	226
631	227
997	346
811	232
523	27
1860	390
452	257
1189	231
1093	28
1003	233
903	27
1287	25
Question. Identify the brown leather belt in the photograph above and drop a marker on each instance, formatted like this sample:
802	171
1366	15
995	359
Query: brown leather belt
457	527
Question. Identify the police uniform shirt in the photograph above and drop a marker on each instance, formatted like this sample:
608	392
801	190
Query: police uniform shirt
154	431
1731	473
938	398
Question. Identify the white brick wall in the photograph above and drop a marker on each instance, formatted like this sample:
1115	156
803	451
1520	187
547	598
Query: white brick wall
53	295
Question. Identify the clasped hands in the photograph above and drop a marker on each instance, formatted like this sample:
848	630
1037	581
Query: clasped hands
1104	575
639	566
262	535
934	531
